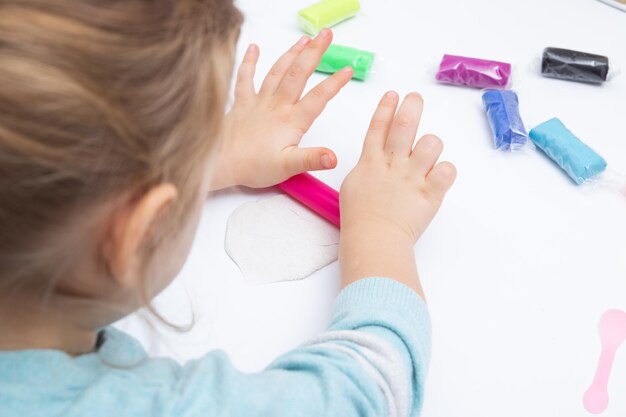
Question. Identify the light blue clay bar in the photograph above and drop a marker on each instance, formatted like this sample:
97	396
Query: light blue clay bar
570	153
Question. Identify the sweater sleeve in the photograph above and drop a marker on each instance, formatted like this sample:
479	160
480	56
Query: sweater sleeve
371	361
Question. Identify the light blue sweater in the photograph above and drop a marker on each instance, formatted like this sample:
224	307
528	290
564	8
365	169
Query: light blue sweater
371	361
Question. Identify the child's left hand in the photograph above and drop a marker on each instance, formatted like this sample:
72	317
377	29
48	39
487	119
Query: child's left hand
263	130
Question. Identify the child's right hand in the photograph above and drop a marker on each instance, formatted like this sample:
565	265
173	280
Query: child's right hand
392	194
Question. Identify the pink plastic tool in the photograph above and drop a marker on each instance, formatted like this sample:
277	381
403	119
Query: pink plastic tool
612	335
314	194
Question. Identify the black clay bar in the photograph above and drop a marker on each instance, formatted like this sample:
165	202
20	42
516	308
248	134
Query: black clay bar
566	64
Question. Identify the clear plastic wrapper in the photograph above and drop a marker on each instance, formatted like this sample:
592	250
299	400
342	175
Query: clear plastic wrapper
609	180
338	57
326	13
566	64
473	72
577	159
507	127
618	4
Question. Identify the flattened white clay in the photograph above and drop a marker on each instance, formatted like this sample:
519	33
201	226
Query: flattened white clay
277	239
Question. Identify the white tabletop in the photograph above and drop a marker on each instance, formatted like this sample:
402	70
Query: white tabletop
520	263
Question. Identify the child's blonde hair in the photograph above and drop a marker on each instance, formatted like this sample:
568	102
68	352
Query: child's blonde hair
100	100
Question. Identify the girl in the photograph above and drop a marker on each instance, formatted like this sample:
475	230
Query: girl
111	134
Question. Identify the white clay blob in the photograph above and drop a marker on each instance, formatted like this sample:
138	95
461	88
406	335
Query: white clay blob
277	239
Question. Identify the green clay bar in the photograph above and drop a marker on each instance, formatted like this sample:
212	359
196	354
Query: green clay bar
326	13
338	57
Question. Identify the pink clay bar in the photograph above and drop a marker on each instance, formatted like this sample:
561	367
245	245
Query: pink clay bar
612	335
314	194
473	72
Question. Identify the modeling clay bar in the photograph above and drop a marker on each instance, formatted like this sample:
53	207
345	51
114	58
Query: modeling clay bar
566	64
473	72
326	13
502	107
577	159
338	57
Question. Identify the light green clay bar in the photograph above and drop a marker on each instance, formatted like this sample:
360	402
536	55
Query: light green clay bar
326	13
338	57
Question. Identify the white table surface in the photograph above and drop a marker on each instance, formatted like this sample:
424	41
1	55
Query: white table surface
518	266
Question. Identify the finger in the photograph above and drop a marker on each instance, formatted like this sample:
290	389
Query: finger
381	122
244	87
309	159
426	153
404	126
314	102
278	70
294	81
441	178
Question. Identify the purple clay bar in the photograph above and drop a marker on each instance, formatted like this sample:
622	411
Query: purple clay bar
473	72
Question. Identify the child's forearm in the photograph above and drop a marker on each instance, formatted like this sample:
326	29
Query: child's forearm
367	252
371	361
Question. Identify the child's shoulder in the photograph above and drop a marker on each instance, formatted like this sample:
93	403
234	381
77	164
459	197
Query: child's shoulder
118	379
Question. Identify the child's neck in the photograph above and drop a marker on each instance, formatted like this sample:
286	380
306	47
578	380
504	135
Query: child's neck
30	328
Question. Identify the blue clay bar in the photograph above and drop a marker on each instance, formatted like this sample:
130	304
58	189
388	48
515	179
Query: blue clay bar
570	153
502	108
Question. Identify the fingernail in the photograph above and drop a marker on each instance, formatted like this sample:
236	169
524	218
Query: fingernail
391	94
325	33
304	40
251	48
347	69
326	161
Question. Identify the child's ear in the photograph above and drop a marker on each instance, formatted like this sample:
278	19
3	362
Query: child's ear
130	228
